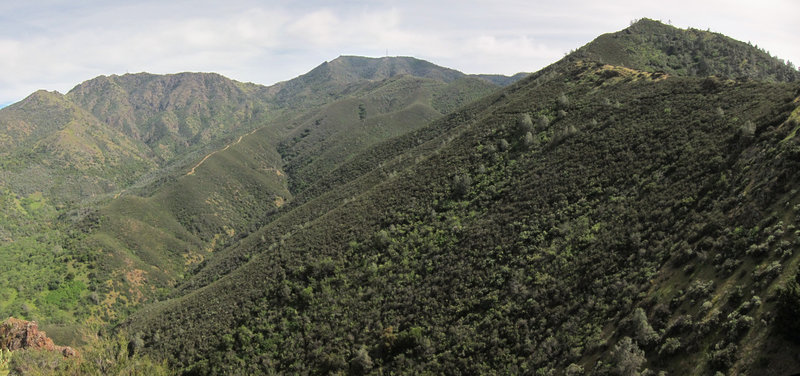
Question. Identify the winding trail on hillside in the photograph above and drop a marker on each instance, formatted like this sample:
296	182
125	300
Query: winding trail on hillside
191	172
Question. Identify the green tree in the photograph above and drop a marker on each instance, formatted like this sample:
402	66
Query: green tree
528	140
461	185
524	124
362	112
628	357
563	101
502	144
542	122
574	370
748	129
645	335
361	362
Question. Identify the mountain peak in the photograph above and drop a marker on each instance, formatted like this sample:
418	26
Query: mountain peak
650	45
43	96
333	76
649	23
353	68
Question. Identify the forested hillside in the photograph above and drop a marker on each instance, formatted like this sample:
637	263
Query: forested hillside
123	186
630	209
547	227
592	217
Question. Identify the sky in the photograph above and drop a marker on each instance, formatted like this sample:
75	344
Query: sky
57	44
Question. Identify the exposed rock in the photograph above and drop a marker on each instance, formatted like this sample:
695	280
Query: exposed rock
18	334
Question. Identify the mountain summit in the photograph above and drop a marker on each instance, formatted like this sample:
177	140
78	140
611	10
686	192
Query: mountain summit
328	80
650	45
353	68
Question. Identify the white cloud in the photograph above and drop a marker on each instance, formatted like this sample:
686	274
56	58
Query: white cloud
50	44
319	28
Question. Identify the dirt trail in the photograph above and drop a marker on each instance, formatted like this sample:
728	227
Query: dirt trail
191	172
275	170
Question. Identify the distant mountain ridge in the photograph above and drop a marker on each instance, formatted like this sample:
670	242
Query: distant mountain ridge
329	78
354	68
172	112
501	80
159	119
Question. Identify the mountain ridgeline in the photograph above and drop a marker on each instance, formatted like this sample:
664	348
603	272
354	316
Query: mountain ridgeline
142	176
632	208
173	112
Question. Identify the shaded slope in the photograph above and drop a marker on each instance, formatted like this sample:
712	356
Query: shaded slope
501	80
342	185
540	261
373	112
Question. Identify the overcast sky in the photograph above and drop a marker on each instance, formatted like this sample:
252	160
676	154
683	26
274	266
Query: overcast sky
55	44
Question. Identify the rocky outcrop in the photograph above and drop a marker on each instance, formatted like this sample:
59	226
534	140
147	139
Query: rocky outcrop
18	334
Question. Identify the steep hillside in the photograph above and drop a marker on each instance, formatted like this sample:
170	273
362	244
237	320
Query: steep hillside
59	161
142	246
112	194
642	223
631	207
372	112
171	113
162	231
51	145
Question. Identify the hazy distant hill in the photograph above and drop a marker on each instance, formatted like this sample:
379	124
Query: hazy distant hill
327	81
355	68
